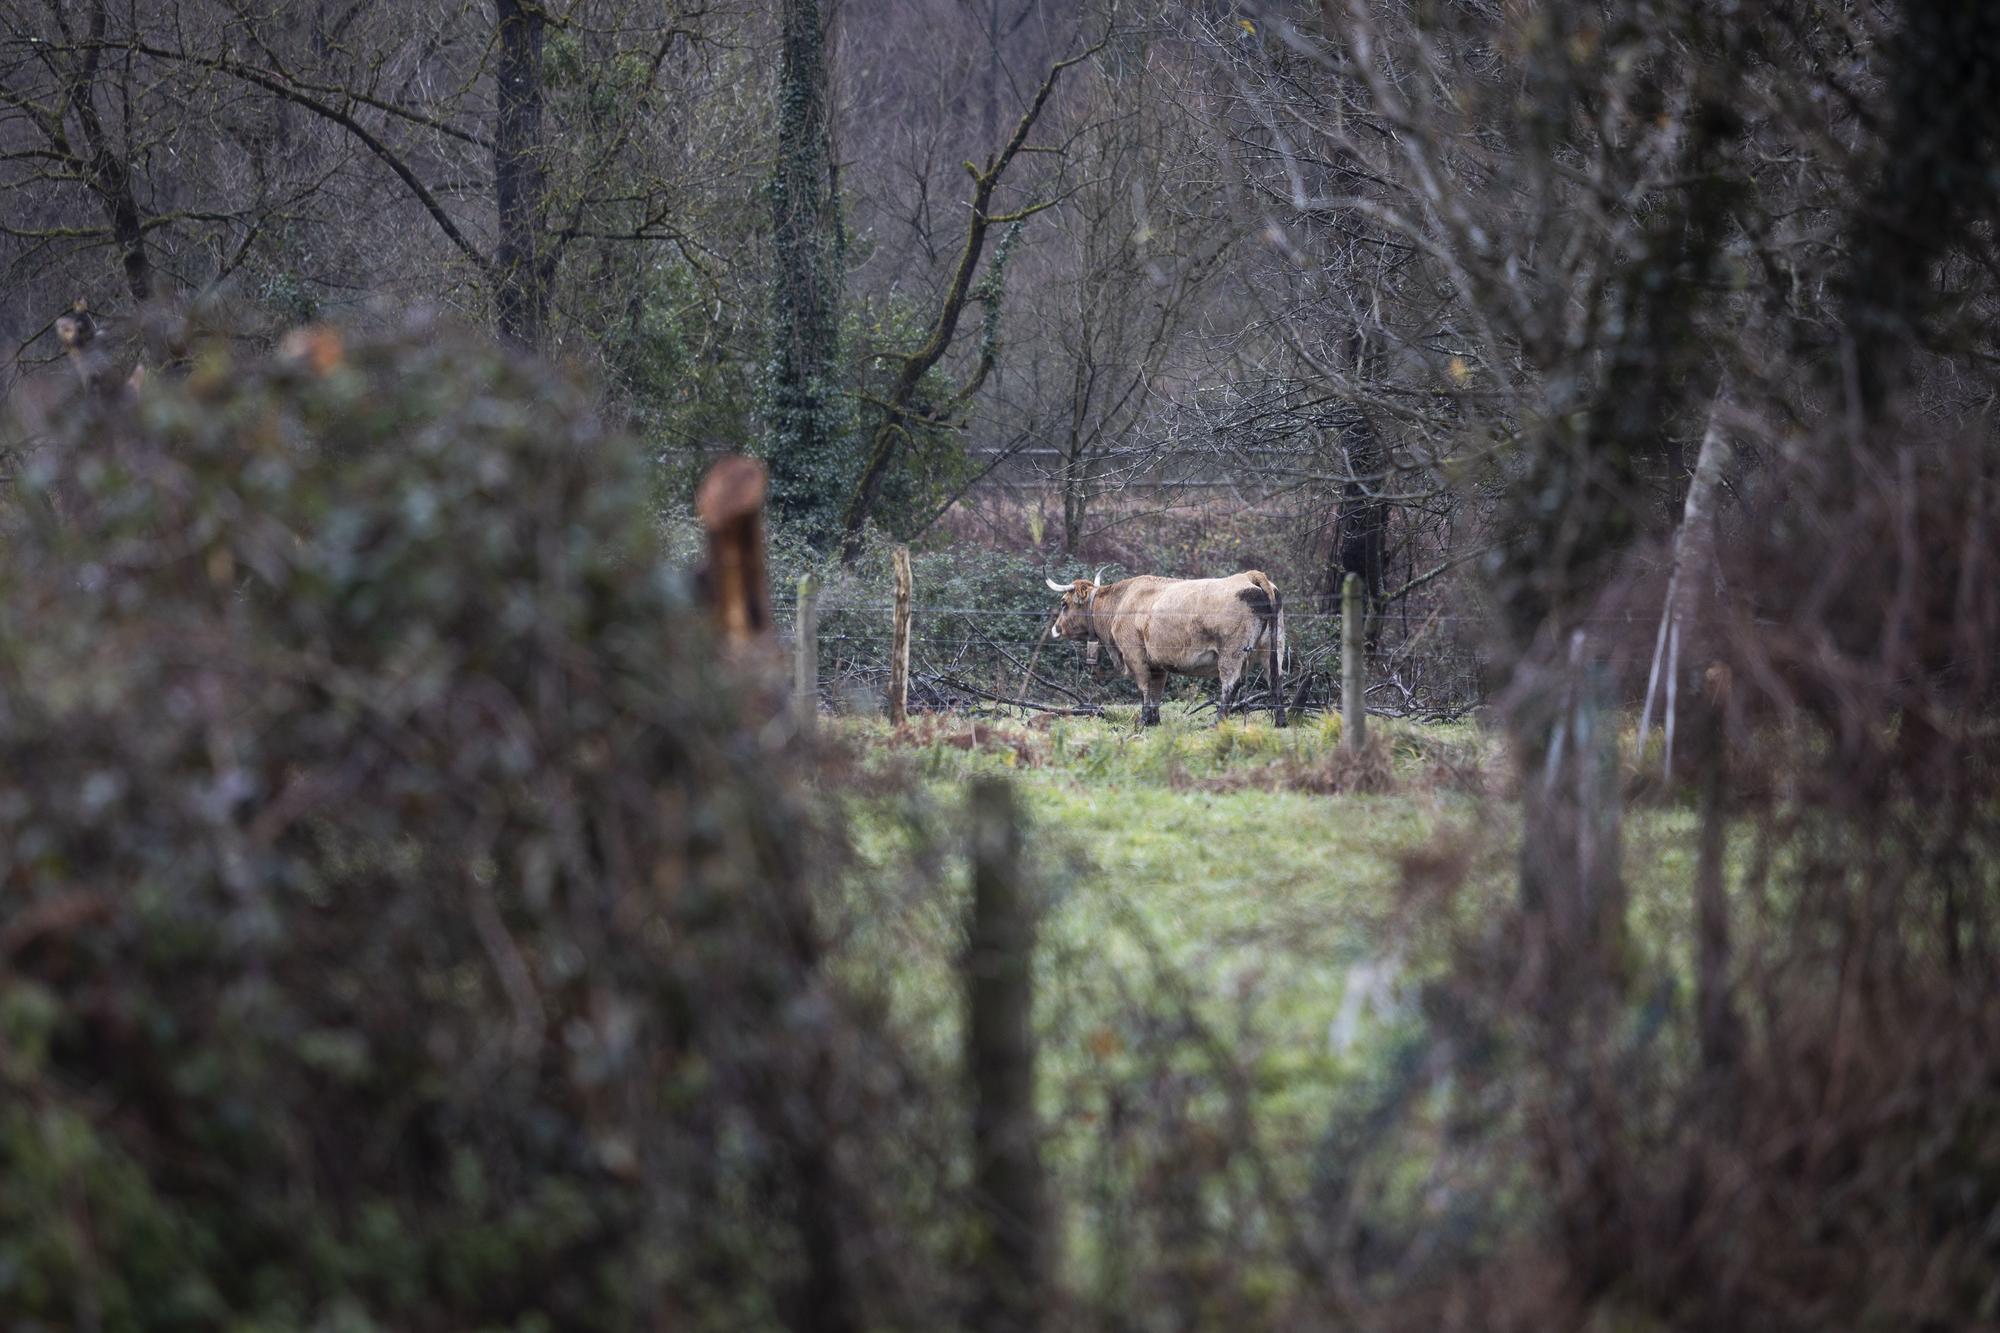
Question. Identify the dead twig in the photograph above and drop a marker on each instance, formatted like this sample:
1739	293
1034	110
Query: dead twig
952	682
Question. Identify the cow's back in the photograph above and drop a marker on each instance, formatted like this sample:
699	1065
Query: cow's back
1192	623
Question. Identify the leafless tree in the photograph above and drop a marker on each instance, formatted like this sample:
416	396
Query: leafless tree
449	152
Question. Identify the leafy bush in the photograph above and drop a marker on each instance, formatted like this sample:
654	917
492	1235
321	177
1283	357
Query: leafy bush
402	929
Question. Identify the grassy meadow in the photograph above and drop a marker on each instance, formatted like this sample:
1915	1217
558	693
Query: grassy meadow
1246	911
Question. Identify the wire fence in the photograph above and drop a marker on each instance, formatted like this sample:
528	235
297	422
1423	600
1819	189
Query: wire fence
973	658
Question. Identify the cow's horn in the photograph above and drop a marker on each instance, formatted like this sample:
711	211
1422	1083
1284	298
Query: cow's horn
1053	585
1097	579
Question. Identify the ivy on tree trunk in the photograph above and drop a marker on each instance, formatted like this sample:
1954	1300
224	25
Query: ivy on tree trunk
809	446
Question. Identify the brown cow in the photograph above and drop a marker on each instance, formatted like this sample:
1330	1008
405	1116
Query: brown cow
1196	627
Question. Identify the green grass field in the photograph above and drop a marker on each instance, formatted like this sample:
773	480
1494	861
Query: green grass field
1198	880
1236	869
1241	912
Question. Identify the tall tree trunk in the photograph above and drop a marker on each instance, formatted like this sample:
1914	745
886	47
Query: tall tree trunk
809	446
520	181
1076	463
1076	503
107	173
989	117
1935	182
1567	517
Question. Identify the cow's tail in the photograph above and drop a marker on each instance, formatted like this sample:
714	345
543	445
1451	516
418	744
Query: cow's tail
1270	611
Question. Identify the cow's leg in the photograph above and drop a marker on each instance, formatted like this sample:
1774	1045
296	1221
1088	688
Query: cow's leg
1140	679
1230	681
1156	687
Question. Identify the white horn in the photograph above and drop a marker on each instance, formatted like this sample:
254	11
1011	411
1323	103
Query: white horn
1054	586
1097	579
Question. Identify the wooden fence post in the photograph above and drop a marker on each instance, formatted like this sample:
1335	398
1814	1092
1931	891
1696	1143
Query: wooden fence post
1000	1064
1353	708
805	654
899	650
730	502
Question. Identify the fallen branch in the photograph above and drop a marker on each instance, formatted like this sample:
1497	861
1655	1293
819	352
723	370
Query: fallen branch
952	682
1028	671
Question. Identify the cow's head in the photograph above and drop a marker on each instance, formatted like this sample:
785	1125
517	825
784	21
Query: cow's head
1073	618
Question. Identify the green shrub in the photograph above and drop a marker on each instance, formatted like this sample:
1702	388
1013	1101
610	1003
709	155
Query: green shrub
403	929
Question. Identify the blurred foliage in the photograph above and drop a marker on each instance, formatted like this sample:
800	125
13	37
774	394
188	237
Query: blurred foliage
403	927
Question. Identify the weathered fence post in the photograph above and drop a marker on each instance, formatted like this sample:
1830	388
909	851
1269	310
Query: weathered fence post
1000	1064
805	653
1353	709
730	503
899	650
